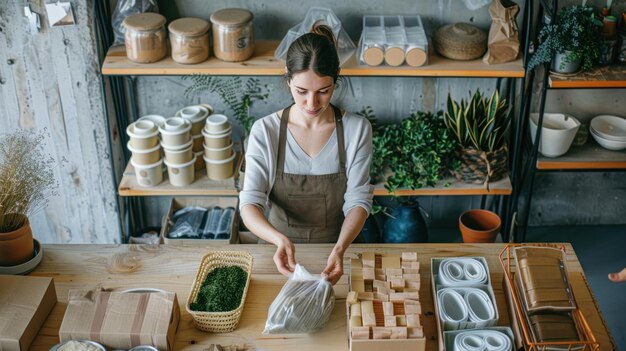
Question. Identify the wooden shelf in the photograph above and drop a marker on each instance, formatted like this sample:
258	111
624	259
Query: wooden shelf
588	156
613	76
201	186
263	63
500	187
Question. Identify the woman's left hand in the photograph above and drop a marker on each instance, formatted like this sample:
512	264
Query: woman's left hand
334	268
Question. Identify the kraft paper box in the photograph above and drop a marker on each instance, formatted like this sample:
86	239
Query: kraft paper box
25	303
121	320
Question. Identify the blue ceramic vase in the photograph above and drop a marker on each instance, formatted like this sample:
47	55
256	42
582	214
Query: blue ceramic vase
406	225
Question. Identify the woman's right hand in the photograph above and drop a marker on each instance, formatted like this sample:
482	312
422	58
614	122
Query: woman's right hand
284	258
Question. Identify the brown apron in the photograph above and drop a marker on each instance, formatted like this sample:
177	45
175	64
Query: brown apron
308	208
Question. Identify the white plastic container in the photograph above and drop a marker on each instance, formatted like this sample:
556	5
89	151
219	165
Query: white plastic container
196	115
143	134
220	169
609	127
175	132
217	124
145	156
148	175
218	153
557	133
181	174
217	141
609	144
180	155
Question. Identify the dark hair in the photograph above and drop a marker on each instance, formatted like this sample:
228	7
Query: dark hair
314	51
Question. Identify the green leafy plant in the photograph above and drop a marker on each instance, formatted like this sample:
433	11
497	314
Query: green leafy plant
380	152
236	93
573	32
479	123
26	178
419	151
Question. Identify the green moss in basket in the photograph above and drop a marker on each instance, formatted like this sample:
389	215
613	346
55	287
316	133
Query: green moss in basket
221	291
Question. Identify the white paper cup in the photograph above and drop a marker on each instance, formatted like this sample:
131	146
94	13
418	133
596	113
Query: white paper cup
158	120
145	156
218	153
198	141
144	127
148	175
181	174
175	132
196	115
180	155
216	141
140	138
199	160
217	124
220	169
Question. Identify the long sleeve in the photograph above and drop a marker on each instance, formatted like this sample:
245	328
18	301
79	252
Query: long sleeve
358	137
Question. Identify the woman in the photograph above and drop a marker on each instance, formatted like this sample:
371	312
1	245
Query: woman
309	163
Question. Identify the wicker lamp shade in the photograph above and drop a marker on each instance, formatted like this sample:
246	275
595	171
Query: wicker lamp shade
460	41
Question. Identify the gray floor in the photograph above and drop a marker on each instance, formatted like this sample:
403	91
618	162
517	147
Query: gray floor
600	250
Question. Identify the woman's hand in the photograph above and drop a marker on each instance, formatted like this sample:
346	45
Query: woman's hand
284	258
334	267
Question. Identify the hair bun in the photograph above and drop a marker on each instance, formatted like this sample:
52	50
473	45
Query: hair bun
321	28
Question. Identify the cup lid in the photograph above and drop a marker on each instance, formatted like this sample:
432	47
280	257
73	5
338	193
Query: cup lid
156	119
208	160
175	125
193	113
221	134
216	120
144	21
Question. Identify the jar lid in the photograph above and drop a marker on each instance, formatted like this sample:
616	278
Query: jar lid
144	21
189	26
231	17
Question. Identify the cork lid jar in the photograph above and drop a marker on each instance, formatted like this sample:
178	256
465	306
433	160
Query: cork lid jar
189	39
145	37
233	34
460	41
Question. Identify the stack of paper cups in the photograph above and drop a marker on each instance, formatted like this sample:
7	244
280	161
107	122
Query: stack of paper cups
146	153
177	145
196	115
218	147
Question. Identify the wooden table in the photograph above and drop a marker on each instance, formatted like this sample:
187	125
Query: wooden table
173	268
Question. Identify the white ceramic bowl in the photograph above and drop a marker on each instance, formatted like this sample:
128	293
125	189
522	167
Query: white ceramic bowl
608	144
557	132
609	127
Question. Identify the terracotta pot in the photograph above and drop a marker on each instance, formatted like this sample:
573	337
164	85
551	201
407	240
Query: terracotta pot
17	247
479	226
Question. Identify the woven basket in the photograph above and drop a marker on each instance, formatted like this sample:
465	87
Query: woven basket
482	167
219	322
460	41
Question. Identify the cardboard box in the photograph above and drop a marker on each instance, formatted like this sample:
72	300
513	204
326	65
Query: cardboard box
208	203
450	335
120	320
25	303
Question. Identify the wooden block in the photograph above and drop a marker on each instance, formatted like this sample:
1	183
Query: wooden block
385	291
360	333
413	320
355	263
390	321
388	308
366	296
401	320
351	299
368	286
368	273
356	273
393	272
367	313
355	310
381	284
356	321
409	256
411	265
369	259
357	285
397	283
410	271
415	333
381	333
381	297
391	261
412	307
399	333
412	284
401	296
411	277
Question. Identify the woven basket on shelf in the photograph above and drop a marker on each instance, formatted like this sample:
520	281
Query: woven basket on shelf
219	322
482	167
460	41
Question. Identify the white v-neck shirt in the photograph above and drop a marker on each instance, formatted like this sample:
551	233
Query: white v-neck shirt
262	157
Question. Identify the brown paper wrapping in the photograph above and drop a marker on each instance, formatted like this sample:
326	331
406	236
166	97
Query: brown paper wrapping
503	41
554	327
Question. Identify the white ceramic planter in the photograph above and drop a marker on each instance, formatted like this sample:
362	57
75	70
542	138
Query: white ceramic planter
148	175
179	156
218	153
217	141
181	174
220	169
145	156
143	134
175	132
557	133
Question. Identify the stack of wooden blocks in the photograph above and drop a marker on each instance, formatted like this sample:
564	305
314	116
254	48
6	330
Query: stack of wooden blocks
383	302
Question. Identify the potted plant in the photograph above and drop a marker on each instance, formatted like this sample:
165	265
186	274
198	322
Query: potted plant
26	182
480	126
569	42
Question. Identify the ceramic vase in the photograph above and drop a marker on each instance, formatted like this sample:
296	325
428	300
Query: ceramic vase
370	233
560	65
479	226
17	247
406	225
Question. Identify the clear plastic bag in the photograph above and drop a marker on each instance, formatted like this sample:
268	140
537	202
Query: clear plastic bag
187	222
475	4
125	8
303	305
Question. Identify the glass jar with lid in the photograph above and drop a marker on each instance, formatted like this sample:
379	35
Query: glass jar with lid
189	40
233	34
145	37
